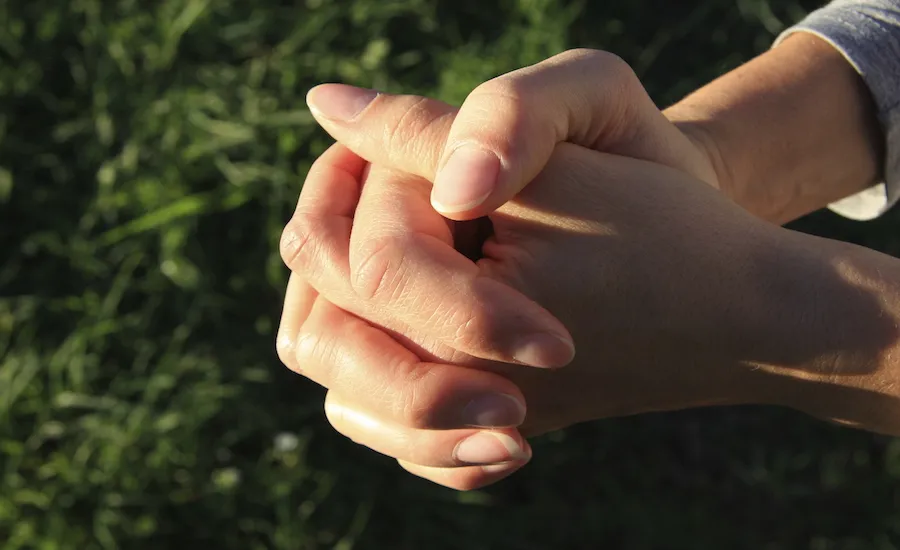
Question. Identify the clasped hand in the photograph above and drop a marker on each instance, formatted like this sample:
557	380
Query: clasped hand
589	271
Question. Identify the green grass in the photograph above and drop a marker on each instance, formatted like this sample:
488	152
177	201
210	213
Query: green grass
150	153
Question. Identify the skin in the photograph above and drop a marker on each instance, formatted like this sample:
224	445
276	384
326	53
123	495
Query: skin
789	132
679	301
585	97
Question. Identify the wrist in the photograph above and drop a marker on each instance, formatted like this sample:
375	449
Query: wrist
789	132
701	134
827	332
707	125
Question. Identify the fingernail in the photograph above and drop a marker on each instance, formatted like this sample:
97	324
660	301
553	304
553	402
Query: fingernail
494	411
498	468
507	467
489	448
466	180
339	101
544	350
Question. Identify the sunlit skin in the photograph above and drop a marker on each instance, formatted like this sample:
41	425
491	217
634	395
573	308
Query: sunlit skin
663	270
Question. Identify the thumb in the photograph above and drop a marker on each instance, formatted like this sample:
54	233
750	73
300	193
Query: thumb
483	154
508	128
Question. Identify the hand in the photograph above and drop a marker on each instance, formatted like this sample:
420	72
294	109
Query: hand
507	129
589	238
380	393
384	397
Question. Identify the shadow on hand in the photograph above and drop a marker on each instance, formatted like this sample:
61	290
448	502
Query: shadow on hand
677	298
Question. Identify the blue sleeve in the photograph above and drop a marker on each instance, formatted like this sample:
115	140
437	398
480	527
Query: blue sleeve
867	33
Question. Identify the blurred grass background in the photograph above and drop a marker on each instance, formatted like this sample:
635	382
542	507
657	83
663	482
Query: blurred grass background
150	153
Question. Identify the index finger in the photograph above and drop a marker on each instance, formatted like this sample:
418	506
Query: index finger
403	264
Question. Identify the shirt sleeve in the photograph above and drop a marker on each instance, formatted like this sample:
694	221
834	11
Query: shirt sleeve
867	33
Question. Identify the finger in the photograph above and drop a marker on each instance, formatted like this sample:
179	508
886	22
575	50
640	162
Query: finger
438	448
314	243
402	261
465	478
385	380
587	97
396	281
506	130
298	303
404	131
332	185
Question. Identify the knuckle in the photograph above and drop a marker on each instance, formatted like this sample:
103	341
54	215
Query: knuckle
586	54
617	68
514	89
297	242
416	405
314	356
395	384
580	54
354	368
284	347
475	329
508	100
403	131
377	274
306	348
612	66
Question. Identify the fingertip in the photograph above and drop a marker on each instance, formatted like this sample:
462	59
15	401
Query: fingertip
465	478
339	102
466	180
494	410
311	94
544	350
463	214
499	471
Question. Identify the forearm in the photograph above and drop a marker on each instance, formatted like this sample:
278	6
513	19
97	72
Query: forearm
824	334
789	132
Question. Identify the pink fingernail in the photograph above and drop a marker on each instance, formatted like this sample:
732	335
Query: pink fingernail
544	351
466	180
494	411
489	448
339	101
